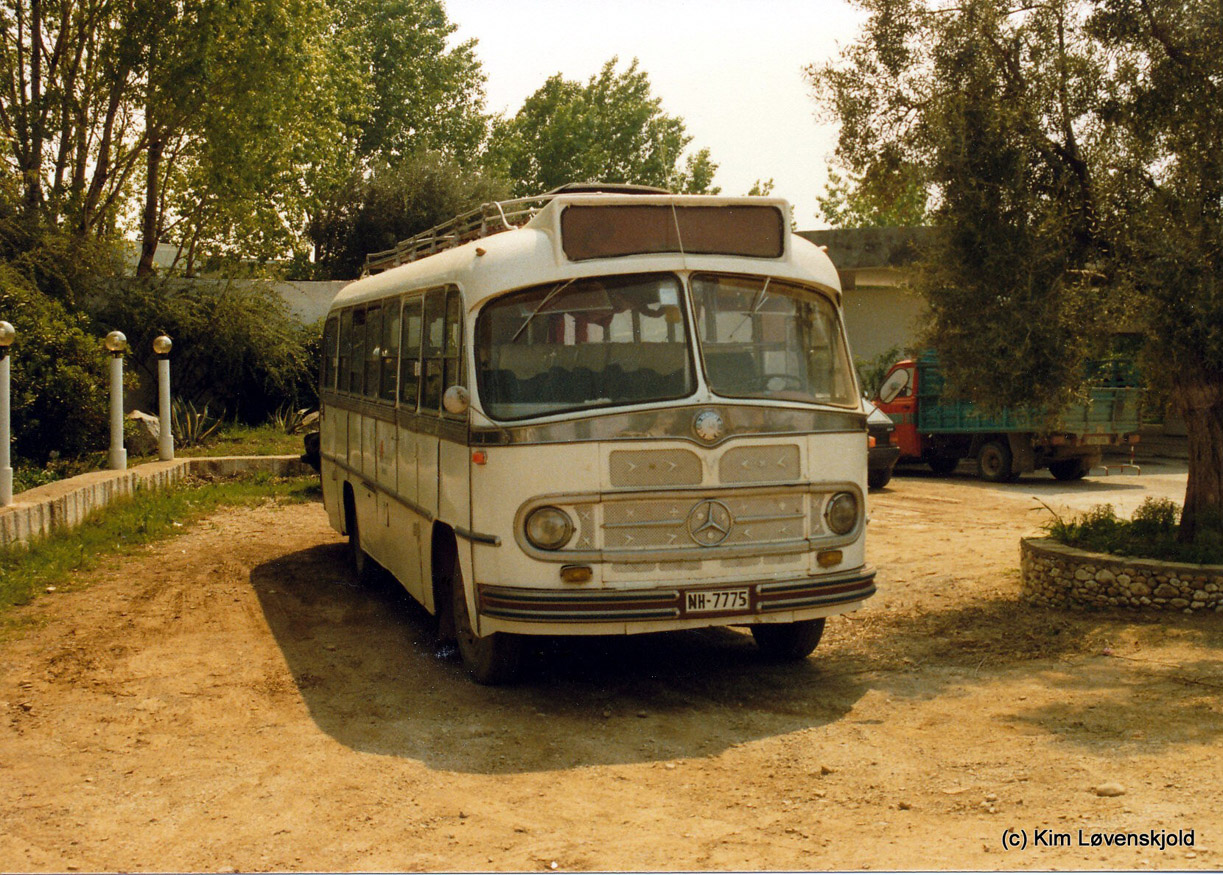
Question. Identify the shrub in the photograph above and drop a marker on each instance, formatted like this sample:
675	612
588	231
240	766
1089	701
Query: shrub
1149	533
59	385
236	345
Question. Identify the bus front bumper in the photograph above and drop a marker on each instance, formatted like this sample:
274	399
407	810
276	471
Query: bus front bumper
608	611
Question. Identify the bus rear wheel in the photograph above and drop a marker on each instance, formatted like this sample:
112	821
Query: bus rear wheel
492	660
786	642
362	565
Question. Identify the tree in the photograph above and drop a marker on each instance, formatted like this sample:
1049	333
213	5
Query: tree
892	199
376	210
612	129
1073	151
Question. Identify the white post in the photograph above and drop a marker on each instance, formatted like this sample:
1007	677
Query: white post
6	470
165	438
115	342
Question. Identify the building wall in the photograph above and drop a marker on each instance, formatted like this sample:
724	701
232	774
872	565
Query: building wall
878	318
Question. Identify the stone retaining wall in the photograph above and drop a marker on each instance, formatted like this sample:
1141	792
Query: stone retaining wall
1058	576
65	503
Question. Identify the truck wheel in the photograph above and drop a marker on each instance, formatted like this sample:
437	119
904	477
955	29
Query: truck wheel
994	463
943	465
1070	469
786	642
492	660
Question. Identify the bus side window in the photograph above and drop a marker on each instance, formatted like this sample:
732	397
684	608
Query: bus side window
344	350
373	349
452	361
409	364
390	351
331	331
434	344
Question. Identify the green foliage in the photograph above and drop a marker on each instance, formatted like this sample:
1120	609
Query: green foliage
236	346
1151	533
612	129
191	427
58	384
374	211
872	371
885	196
127	524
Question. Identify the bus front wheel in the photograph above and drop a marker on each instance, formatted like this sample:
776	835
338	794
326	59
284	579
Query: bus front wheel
788	641
491	660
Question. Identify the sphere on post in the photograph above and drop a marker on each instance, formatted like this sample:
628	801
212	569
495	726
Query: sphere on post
116	343
165	437
7	335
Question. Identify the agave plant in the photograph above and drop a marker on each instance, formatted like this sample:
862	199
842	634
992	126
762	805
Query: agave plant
191	426
289	419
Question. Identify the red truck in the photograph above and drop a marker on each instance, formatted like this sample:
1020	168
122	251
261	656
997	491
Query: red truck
1014	441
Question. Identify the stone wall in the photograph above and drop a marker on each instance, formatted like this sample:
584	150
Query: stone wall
1055	575
66	503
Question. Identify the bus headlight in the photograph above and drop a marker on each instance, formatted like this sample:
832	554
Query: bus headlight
842	513
549	528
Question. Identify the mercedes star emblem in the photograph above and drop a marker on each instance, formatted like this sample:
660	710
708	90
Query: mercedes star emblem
709	522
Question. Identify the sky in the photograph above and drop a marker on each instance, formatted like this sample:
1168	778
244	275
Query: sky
731	69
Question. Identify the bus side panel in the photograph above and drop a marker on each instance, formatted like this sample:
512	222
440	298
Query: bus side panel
353	438
369	465
403	551
454	503
386	435
426	472
333	444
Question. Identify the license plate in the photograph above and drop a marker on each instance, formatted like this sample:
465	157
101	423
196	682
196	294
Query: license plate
1096	439
711	601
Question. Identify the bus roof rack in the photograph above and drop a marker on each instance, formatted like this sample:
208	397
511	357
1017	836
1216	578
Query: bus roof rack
487	219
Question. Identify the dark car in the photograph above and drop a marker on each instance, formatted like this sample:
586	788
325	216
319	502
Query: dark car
883	453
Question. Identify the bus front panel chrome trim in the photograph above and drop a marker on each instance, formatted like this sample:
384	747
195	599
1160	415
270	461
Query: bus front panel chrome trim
585	606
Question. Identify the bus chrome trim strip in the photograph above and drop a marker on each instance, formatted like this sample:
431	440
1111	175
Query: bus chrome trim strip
675	423
578	606
478	537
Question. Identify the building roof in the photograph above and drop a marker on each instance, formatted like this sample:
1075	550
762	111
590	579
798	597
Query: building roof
858	248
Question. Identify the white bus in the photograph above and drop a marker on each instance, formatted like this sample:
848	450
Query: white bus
601	412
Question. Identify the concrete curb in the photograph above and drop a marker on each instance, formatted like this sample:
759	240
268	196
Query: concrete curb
65	503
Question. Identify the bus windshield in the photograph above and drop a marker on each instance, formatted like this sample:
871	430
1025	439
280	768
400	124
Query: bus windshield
764	338
578	344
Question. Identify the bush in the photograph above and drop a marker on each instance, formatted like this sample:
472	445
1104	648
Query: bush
1149	533
59	384
237	348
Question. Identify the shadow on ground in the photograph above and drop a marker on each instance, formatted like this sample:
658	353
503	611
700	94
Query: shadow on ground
364	659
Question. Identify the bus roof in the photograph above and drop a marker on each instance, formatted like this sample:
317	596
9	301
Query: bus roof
548	246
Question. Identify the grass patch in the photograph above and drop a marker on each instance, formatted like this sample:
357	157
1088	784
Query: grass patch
1150	533
235	439
123	527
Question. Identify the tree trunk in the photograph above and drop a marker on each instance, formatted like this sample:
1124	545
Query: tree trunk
150	226
1199	400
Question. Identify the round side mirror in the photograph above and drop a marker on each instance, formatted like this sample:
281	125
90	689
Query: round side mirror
456	400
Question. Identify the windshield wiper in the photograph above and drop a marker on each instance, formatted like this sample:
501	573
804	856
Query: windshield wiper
552	294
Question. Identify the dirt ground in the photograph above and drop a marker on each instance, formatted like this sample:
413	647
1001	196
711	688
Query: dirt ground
231	701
